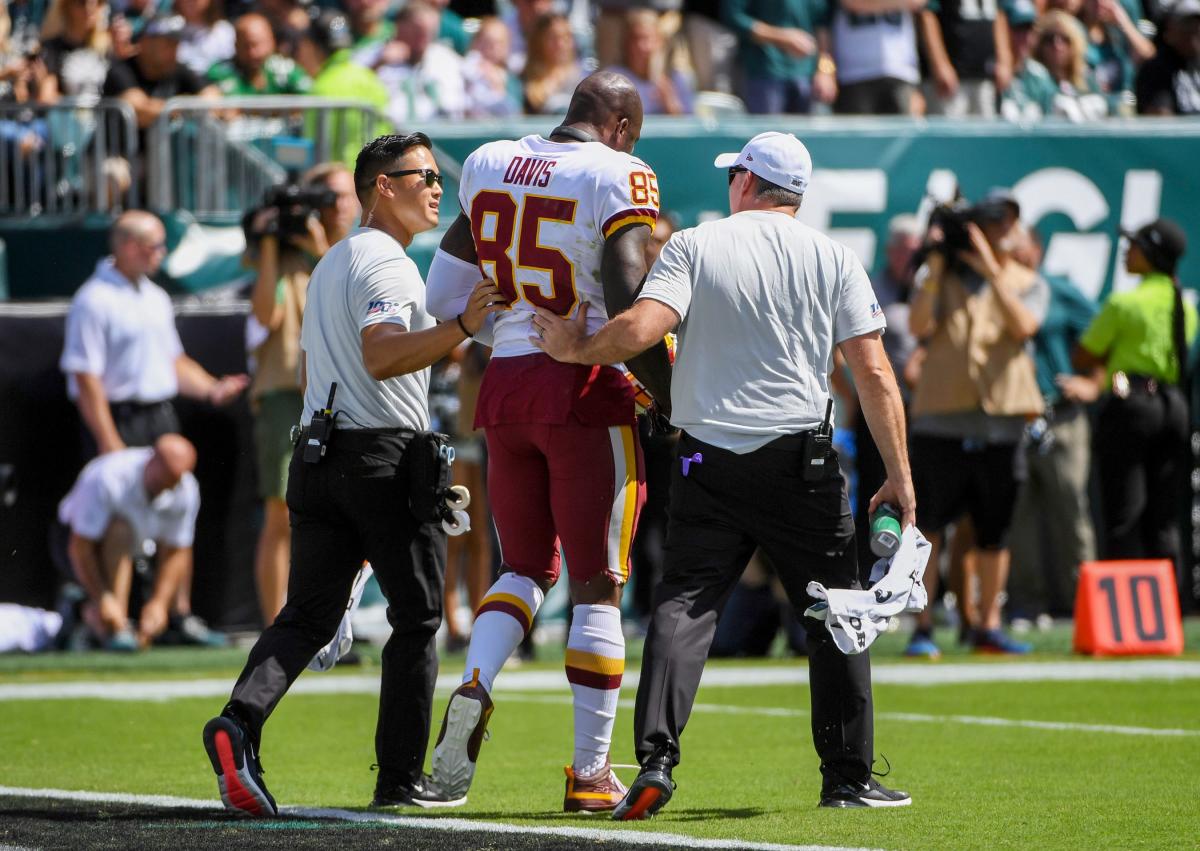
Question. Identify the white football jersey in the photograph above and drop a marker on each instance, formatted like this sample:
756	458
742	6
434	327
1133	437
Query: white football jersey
540	212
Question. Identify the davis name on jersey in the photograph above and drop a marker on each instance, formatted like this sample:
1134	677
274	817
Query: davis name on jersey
540	212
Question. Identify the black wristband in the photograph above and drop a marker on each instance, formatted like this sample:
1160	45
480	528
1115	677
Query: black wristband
458	319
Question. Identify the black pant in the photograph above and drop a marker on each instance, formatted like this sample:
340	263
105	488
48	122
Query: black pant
1141	446
881	96
352	506
138	424
719	512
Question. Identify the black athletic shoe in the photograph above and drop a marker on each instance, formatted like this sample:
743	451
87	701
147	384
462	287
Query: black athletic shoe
871	794
650	791
239	773
424	794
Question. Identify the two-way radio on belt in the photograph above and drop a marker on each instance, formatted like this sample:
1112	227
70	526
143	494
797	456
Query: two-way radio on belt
320	430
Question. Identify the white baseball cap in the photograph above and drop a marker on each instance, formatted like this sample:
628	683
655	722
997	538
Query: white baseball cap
779	158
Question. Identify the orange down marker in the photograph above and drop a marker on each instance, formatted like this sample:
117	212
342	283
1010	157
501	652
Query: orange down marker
1127	608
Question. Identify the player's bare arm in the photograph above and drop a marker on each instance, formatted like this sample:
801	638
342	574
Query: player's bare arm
622	338
622	272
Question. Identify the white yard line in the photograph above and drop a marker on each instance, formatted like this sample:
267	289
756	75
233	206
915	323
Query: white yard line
918	717
449	825
717	676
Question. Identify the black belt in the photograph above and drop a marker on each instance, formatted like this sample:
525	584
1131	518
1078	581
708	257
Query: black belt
132	407
367	432
1125	383
785	443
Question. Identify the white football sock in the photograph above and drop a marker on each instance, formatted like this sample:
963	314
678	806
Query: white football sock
595	662
501	622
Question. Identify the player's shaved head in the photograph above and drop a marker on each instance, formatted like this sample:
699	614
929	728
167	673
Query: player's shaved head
603	96
173	458
607	107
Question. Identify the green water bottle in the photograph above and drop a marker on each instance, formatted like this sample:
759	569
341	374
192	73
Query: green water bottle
885	531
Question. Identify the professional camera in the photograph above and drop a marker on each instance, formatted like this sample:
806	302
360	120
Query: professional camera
952	217
294	204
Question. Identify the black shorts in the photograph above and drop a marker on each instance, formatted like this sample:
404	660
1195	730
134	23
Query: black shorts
953	477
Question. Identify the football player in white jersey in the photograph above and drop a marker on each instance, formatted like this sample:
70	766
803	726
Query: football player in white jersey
557	222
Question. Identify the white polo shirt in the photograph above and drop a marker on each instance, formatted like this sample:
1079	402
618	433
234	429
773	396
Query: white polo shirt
363	280
124	333
764	299
111	486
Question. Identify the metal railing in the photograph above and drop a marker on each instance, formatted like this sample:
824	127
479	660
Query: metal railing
216	158
76	156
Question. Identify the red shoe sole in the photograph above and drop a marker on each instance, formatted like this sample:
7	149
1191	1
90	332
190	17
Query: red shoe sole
236	795
645	801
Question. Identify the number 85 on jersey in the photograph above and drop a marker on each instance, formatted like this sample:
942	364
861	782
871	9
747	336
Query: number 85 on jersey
545	250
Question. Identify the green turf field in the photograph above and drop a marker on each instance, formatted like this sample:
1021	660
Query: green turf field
1112	764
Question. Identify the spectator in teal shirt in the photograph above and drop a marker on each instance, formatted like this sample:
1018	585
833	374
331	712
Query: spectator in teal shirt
1116	46
783	49
1031	94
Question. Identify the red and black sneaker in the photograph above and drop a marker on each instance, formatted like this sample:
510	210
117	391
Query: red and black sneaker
239	773
597	793
651	790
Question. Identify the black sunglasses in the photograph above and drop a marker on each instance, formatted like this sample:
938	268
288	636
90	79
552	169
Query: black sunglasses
430	176
735	171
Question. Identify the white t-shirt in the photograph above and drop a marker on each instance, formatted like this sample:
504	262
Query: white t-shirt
111	486
540	213
363	280
869	47
123	333
764	299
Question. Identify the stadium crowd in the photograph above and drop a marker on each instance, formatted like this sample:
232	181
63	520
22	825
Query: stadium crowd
449	59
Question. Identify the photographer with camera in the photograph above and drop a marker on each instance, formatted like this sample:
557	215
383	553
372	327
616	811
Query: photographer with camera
296	225
975	307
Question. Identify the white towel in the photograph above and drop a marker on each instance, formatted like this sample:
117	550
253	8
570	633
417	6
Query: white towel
27	629
855	618
343	639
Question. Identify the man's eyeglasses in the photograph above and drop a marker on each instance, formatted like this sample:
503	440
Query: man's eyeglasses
735	171
429	175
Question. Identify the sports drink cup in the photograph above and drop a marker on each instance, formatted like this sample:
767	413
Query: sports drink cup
885	531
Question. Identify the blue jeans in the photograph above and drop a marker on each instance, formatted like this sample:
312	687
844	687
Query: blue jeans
770	96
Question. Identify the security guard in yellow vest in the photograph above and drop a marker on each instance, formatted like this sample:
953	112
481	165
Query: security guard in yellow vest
1141	443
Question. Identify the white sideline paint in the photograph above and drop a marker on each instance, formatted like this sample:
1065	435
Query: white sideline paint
918	717
886	674
450	825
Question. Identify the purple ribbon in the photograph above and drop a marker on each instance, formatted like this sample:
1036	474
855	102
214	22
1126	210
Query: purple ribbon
687	462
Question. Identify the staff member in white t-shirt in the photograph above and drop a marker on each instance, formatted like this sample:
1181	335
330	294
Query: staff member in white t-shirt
366	328
761	302
120	500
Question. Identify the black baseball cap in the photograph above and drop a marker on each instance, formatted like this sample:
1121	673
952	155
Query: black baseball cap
1162	241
